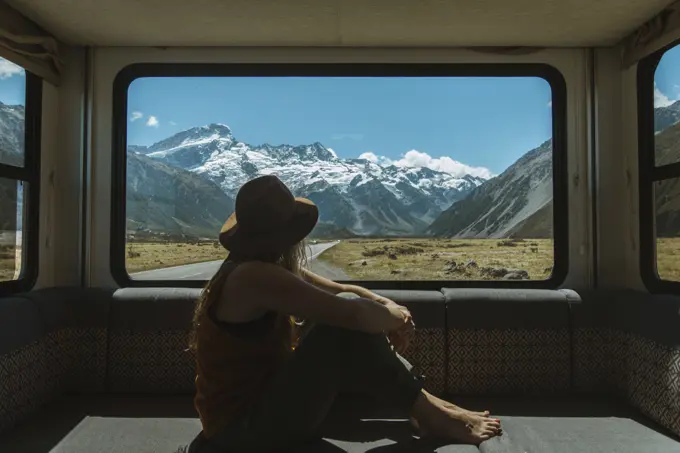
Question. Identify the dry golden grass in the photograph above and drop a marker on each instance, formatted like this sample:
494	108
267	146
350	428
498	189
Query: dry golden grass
10	262
144	256
668	258
348	256
429	259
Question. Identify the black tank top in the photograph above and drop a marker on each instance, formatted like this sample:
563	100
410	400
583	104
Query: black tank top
250	329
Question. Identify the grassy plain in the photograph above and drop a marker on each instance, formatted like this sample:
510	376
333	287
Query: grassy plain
668	258
404	259
10	259
145	256
441	259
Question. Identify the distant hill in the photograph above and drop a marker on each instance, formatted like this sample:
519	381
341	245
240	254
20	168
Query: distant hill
330	231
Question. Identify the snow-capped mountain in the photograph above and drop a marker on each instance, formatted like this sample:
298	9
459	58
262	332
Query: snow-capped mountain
502	206
356	194
12	134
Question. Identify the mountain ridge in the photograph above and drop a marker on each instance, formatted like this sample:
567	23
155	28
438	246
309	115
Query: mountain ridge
354	194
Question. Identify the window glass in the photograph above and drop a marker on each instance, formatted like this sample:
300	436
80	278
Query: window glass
416	178
666	188
12	106
11	228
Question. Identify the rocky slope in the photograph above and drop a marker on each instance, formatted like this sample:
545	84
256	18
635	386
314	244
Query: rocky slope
169	200
503	205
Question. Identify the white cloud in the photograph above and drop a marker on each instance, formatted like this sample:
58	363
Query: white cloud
370	157
549	103
152	121
172	123
660	99
135	116
8	69
355	137
380	160
444	164
330	150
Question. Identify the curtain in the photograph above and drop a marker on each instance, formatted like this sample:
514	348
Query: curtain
27	45
658	32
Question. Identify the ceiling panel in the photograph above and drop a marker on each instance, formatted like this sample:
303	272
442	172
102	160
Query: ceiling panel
340	22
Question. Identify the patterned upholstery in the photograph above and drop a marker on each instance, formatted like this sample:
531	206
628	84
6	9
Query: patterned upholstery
622	346
508	361
507	342
151	362
25	383
148	338
76	358
427	354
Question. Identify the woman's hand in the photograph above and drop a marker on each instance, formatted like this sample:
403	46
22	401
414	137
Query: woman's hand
401	337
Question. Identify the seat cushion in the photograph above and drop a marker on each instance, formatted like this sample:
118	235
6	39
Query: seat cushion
508	342
571	425
159	424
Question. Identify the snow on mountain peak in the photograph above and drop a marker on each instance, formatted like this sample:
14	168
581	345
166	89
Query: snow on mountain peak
415	194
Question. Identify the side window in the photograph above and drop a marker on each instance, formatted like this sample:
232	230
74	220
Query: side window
659	114
19	97
427	178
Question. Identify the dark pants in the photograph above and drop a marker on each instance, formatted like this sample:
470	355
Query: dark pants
295	402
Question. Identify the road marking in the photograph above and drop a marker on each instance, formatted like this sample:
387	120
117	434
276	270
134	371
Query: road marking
193	275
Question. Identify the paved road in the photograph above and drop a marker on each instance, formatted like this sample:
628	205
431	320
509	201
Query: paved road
204	271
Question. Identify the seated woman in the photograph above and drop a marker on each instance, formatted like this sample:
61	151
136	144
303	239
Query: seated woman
261	385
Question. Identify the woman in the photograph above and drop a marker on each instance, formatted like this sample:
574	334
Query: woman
264	383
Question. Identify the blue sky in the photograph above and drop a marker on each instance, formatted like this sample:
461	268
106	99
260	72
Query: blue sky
460	125
667	78
12	83
479	122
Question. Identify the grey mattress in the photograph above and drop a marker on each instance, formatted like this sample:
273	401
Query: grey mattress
158	424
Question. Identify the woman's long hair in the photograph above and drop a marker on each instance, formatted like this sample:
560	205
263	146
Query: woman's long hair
293	259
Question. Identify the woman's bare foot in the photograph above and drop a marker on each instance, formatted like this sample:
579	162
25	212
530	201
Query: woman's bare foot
433	419
454	407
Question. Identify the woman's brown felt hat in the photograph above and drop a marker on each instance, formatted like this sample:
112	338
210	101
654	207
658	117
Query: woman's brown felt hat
270	218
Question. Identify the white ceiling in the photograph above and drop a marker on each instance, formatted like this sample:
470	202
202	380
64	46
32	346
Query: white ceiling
340	22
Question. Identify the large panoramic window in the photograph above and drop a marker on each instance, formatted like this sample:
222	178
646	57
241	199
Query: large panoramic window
18	176
428	177
659	88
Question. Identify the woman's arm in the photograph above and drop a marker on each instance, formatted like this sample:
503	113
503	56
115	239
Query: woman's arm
337	288
400	338
273	288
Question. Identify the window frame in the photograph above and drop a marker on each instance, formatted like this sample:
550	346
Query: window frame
649	173
545	71
29	173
